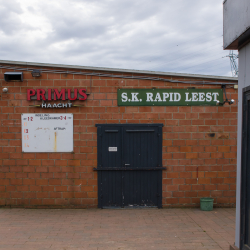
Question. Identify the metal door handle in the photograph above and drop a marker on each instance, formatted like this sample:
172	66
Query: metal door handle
127	164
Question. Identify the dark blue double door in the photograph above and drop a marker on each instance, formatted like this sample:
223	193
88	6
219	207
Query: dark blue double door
129	165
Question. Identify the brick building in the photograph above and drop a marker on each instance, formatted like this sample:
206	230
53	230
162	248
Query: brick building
178	152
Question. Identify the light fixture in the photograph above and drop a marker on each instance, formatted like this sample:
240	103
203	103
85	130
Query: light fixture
5	90
226	101
36	73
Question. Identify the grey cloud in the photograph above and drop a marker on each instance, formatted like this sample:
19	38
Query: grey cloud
9	21
167	35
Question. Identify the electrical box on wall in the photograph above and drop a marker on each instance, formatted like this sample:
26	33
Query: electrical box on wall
47	132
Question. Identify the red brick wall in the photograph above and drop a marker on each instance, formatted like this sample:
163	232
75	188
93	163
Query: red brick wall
193	137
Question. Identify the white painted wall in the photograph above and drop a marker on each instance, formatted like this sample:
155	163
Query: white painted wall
244	81
236	18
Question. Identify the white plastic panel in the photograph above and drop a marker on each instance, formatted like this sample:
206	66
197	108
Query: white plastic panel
47	132
236	20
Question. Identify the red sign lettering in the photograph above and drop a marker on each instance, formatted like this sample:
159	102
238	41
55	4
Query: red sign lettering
58	94
30	92
55	94
75	95
41	93
83	94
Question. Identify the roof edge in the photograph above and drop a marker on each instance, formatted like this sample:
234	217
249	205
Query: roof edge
118	70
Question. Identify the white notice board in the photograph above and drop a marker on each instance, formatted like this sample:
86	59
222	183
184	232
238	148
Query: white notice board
47	132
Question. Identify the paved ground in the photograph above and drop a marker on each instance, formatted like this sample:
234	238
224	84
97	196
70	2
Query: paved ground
97	229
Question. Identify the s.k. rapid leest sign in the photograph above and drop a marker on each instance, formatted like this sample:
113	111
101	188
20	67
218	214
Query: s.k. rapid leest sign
169	97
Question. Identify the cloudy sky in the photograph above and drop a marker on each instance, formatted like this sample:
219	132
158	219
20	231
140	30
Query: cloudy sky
159	35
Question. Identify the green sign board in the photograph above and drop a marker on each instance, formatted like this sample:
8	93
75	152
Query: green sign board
169	97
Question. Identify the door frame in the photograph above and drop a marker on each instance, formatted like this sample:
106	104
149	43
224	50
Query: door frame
244	162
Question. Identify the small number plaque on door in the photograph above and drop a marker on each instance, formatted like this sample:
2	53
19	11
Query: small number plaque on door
112	149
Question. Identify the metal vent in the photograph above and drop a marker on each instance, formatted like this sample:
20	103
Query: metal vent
13	76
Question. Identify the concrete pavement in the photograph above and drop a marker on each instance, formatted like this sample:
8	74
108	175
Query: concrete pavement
101	229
